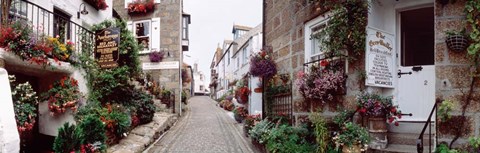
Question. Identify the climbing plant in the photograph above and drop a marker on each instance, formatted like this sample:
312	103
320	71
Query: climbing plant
345	29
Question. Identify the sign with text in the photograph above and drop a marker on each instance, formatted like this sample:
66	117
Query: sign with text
379	58
161	65
106	47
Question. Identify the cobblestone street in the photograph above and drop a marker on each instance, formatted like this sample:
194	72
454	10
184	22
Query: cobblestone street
205	128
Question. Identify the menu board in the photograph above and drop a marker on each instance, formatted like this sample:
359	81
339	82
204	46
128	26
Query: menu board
379	58
106	47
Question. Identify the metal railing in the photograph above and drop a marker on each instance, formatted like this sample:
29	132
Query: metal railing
420	137
46	23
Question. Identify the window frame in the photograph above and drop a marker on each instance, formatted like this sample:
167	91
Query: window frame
134	24
309	42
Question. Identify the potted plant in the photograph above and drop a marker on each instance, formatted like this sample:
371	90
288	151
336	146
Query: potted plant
456	40
379	110
322	82
250	121
141	6
156	56
239	114
352	138
262	65
242	95
259	87
62	95
25	103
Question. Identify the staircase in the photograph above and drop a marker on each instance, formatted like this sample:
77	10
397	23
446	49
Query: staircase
161	107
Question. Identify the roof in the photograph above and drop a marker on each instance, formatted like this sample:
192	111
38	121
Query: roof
240	27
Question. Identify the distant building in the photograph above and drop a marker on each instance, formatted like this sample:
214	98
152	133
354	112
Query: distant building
199	79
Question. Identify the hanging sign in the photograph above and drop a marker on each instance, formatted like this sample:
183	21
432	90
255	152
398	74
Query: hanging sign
379	58
106	47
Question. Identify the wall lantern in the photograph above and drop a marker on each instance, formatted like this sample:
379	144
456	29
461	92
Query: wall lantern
83	12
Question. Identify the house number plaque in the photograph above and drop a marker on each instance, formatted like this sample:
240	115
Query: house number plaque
106	47
379	58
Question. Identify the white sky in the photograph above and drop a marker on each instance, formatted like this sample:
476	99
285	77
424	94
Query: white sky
212	22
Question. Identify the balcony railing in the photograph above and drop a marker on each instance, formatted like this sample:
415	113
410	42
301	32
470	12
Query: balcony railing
46	23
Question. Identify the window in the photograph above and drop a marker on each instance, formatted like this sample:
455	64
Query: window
18	9
245	55
228	57
417	37
61	25
238	62
142	34
185	22
313	48
201	88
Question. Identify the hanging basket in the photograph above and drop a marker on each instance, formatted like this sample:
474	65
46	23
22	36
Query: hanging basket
457	42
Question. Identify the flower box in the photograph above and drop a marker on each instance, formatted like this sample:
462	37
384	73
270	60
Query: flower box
141	7
457	42
97	4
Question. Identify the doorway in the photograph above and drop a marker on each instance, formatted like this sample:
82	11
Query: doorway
416	65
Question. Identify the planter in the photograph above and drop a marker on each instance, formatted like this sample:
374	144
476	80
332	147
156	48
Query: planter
258	90
457	42
377	124
352	149
238	118
377	129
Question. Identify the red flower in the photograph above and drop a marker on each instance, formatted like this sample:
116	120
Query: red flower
393	110
391	119
323	63
363	110
396	123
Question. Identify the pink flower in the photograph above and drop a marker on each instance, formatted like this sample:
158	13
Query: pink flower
300	74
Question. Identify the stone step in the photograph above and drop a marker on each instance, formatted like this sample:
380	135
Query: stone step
396	148
408	138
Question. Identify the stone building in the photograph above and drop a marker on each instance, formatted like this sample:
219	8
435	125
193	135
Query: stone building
421	70
162	28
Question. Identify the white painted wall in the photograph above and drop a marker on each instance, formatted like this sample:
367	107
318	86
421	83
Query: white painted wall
9	138
199	81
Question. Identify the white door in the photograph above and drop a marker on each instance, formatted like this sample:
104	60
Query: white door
416	69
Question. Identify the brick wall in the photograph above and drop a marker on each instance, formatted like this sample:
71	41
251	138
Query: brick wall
452	68
284	32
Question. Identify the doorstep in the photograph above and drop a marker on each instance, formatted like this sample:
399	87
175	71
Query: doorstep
142	136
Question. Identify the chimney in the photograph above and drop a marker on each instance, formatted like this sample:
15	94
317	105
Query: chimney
195	67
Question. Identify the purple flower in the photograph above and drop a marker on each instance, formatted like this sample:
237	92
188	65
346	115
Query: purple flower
156	56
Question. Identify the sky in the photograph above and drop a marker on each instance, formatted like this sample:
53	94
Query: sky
212	22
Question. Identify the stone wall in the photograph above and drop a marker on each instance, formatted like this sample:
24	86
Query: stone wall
170	14
452	79
284	31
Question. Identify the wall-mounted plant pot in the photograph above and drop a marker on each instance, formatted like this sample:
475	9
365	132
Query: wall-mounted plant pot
457	42
258	90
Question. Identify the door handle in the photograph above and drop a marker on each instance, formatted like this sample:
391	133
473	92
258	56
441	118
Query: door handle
417	68
400	73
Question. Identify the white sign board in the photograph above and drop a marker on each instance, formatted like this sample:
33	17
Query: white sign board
161	65
379	58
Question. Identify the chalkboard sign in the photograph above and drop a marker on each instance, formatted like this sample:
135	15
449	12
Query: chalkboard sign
106	47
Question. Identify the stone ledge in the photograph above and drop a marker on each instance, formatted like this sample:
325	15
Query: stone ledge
144	135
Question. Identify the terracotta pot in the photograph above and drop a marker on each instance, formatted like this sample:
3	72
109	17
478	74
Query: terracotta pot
352	149
258	90
377	124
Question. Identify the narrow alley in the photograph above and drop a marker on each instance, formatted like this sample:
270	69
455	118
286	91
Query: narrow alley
205	128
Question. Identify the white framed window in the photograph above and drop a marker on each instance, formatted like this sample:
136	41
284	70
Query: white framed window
245	55
313	48
147	34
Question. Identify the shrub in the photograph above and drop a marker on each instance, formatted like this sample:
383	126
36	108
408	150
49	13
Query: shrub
320	131
68	139
260	131
287	139
92	131
143	105
117	123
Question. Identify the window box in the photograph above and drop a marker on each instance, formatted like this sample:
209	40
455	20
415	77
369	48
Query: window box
141	7
97	4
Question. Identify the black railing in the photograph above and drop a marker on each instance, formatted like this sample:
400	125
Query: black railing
46	23
420	137
279	101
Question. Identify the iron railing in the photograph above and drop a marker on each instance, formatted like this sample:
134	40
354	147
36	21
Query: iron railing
420	137
46	23
278	103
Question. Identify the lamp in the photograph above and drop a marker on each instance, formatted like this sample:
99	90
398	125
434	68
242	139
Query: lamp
83	12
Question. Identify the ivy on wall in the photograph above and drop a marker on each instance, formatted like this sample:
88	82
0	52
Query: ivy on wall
346	28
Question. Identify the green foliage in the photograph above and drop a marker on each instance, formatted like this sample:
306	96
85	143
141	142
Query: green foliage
352	134
443	148
474	143
320	131
444	109
260	131
25	103
287	139
472	10
92	131
346	29
343	117
119	122
68	139
144	107
109	85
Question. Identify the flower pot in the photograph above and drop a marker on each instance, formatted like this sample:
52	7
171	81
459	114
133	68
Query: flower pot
377	124
352	149
258	90
238	118
457	42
